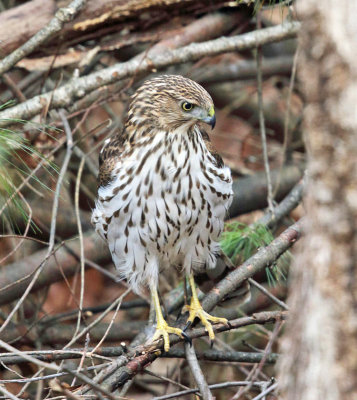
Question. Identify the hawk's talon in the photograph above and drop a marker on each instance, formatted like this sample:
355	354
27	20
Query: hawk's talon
195	310
163	330
187	338
188	324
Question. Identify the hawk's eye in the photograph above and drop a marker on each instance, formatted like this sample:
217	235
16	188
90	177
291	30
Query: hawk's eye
186	106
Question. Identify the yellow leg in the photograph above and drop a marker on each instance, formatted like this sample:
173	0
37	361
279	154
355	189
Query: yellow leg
195	310
162	328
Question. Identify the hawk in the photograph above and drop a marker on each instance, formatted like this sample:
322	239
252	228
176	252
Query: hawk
164	192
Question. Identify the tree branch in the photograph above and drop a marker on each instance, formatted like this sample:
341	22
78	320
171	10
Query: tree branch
77	88
116	351
62	16
250	193
148	354
263	258
197	372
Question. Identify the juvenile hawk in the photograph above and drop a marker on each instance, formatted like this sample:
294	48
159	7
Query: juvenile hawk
163	191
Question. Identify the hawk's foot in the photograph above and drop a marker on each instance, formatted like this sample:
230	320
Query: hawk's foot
163	330
196	311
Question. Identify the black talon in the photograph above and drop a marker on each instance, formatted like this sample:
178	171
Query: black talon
229	324
211	343
187	338
189	323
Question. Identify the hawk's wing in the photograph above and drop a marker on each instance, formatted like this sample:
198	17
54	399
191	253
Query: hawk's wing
211	148
108	158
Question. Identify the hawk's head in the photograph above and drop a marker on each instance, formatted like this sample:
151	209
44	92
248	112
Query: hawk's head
168	102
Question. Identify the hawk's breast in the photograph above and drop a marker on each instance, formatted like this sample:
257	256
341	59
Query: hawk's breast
165	205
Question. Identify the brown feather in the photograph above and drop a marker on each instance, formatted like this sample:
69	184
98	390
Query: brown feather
108	157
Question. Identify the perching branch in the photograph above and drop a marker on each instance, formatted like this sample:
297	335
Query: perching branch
263	258
77	88
130	364
117	351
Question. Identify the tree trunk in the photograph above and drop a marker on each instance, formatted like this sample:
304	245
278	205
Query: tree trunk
320	344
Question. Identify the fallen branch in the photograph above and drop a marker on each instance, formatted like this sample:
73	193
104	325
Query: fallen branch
14	278
62	16
34	15
77	88
241	70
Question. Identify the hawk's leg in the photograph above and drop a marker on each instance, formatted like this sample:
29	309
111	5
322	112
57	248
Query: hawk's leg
162	328
195	310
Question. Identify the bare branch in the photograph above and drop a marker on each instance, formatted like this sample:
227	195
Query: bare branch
263	258
263	136
77	88
107	353
41	266
62	16
197	372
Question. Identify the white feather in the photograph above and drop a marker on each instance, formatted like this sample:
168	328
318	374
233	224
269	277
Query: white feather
139	252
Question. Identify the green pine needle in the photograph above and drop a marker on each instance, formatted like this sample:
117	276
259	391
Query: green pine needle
11	143
240	241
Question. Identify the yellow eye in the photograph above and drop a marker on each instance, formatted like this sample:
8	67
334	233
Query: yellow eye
186	106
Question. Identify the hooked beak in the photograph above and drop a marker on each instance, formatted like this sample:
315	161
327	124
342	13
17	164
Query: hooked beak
211	119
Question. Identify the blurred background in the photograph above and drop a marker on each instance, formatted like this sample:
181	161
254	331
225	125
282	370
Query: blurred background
57	280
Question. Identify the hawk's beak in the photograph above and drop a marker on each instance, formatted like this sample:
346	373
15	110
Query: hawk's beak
211	119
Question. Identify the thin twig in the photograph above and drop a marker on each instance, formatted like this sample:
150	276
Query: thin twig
97	320
52	231
7	393
287	135
165	379
106	353
268	294
13	87
266	391
29	358
215	386
81	245
110	324
37	378
197	372
262	122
